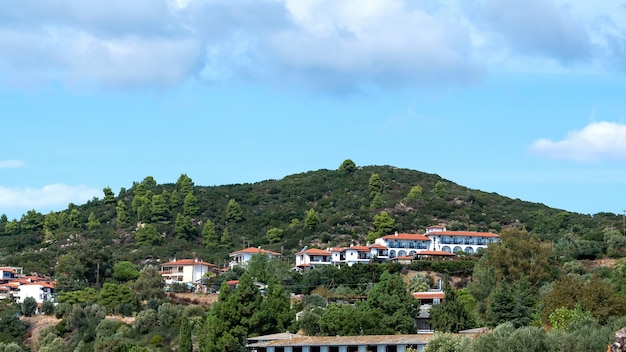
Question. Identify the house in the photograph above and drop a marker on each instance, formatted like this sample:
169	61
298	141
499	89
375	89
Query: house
377	343
185	271
6	292
403	244
426	300
41	291
351	255
457	241
9	273
312	258
243	256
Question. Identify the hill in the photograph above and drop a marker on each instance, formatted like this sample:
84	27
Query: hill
151	221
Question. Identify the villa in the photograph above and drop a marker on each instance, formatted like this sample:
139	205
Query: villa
243	256
185	271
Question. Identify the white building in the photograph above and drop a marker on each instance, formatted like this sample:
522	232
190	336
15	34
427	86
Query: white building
185	270
312	258
404	244
40	291
243	256
456	241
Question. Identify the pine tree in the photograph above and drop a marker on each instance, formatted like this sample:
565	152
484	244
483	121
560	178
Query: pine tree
190	205
209	235
449	315
184	336
375	185
311	220
122	218
233	211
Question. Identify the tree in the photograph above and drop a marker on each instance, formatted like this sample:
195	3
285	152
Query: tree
276	312
32	221
449	315
112	295
383	223
311	220
440	189
226	238
150	284
147	234
274	235
184	336
418	283
92	221
125	271
109	196
415	193
393	306
233	317
184	228
159	209
184	184
50	225
209	235
29	306
122	218
375	185
233	211
190	205
347	167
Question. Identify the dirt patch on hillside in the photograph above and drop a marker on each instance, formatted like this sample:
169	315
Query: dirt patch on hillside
35	325
599	263
200	299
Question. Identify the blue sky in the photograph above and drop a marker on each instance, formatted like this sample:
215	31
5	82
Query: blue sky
523	98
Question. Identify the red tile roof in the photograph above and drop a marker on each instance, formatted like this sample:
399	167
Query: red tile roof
187	262
254	250
377	246
314	251
429	295
8	270
407	236
462	233
435	253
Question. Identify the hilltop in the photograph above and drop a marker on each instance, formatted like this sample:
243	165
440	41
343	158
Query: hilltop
322	208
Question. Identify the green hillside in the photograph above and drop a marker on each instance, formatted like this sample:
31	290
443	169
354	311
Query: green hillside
322	208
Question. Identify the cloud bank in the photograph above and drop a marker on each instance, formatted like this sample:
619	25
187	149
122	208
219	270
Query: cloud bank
55	196
596	142
311	43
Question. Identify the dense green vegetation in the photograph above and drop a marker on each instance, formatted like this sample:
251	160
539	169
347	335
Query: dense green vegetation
104	253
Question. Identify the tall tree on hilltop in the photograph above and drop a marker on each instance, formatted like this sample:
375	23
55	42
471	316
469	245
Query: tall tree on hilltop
184	184
348	166
109	196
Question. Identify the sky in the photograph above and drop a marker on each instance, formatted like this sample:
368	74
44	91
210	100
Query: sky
526	99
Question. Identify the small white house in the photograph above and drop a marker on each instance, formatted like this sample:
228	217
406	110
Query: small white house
40	291
243	256
185	270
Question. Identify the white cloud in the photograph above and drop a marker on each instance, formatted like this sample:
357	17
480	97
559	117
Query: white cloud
54	196
310	43
597	141
11	164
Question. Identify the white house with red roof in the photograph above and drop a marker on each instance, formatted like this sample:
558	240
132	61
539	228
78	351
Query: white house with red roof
243	256
404	244
185	270
41	291
8	273
456	241
312	258
358	254
436	242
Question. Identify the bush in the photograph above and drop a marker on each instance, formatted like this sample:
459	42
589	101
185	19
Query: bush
145	320
47	307
29	306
